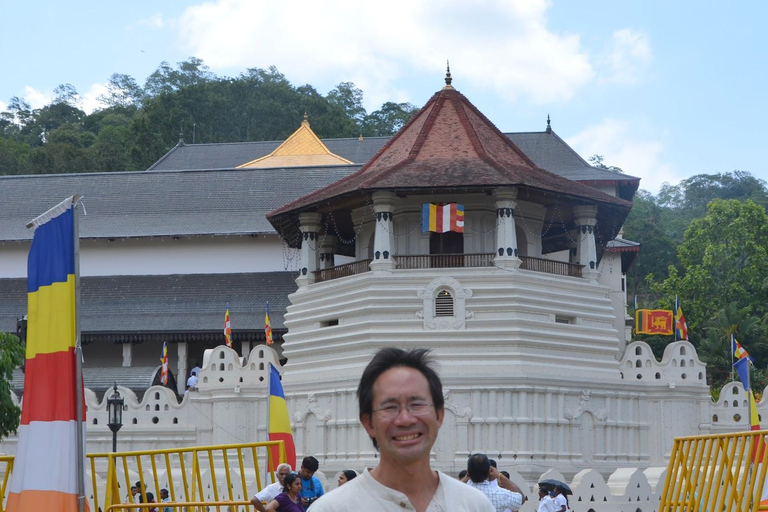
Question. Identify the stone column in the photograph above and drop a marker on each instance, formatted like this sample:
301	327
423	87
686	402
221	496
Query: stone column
383	237
328	246
127	354
585	217
506	236
181	375
309	224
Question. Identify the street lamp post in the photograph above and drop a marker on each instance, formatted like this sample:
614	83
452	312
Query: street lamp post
115	412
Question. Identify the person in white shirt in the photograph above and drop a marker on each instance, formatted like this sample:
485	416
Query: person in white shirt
504	495
268	493
561	503
402	408
546	503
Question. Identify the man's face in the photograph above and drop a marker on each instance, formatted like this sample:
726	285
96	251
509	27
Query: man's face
163	494
282	473
305	473
406	438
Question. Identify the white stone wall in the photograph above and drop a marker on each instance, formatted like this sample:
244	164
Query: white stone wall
166	255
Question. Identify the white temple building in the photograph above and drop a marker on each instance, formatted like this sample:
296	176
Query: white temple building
525	310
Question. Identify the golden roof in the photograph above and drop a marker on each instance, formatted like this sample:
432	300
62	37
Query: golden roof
302	148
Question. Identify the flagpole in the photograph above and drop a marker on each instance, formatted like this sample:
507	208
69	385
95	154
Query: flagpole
78	367
731	349
674	320
269	394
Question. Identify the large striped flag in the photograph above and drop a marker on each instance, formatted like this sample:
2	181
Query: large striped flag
279	421
653	321
227	329
681	327
164	363
442	218
268	327
45	473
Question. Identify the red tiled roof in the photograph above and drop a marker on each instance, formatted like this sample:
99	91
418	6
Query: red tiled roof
448	144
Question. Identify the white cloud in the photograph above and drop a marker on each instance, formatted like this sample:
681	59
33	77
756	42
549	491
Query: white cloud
627	58
155	21
501	45
3	106
37	99
90	100
614	140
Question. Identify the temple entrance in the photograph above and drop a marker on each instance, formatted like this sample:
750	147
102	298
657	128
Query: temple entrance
446	249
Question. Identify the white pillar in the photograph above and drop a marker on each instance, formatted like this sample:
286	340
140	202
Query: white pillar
383	205
181	370
506	236
585	217
309	224
127	354
328	244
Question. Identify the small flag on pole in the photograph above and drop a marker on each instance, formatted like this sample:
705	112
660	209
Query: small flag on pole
681	327
279	420
268	327
653	321
164	363
227	329
442	218
739	352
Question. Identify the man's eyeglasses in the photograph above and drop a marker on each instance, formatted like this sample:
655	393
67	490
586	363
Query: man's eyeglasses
392	411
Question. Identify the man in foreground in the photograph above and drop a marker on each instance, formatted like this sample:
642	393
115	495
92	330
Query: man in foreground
482	475
401	408
268	493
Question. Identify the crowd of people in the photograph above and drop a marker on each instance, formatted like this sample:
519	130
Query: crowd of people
400	397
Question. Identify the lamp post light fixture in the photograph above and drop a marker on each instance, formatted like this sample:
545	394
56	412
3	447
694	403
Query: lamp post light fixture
115	412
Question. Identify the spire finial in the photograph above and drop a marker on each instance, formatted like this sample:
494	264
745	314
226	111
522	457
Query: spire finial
448	78
549	127
306	119
181	139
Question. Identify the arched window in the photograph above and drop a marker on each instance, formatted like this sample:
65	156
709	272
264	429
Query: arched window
443	303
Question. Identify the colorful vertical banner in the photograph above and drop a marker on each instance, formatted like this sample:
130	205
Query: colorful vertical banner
164	363
227	329
268	327
681	327
44	474
739	352
279	420
653	321
442	218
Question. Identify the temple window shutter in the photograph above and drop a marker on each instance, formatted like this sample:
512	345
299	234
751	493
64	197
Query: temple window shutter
443	304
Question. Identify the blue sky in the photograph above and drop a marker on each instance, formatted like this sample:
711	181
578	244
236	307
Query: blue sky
662	89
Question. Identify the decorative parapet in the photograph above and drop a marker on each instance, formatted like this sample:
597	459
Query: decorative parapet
224	369
680	365
731	411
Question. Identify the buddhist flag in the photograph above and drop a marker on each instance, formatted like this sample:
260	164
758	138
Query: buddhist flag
227	329
268	327
681	327
164	363
442	218
653	321
279	421
45	475
739	352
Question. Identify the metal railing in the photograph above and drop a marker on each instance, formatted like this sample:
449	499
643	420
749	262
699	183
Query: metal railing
550	266
349	269
444	261
723	473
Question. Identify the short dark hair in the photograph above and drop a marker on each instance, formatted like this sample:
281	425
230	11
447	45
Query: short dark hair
391	357
310	463
462	473
289	479
505	473
350	474
493	462
478	467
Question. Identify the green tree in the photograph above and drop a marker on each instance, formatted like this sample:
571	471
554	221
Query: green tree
347	96
388	119
11	357
724	261
599	162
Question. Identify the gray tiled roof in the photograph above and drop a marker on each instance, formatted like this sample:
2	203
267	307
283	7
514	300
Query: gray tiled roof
99	379
165	203
234	154
546	149
623	244
169	303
